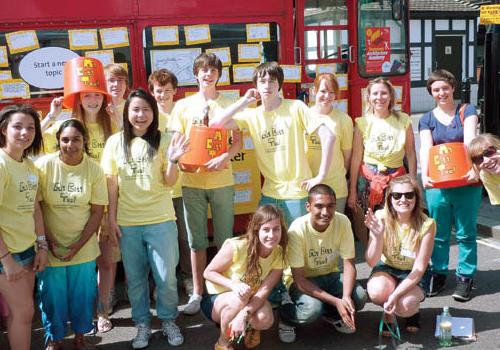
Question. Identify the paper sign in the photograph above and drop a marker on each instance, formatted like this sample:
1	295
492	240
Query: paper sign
489	14
325	68
343	81
166	35
224	77
14	88
105	56
257	32
378	49
179	62
242	177
292	73
22	41
4	60
243	72
233	95
124	65
5	75
249	53
83	39
342	105
197	34
223	53
242	196
114	37
399	93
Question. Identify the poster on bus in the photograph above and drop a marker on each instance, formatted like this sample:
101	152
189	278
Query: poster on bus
378	49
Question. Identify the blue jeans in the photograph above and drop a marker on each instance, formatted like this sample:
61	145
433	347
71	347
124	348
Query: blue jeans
307	309
291	208
154	247
457	207
67	293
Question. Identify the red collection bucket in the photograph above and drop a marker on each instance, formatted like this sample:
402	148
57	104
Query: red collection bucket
83	74
448	163
204	144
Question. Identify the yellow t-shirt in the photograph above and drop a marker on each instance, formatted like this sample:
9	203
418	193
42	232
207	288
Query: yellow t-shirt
404	255
120	108
189	111
238	267
18	191
343	141
97	139
279	142
384	139
164	125
67	193
143	197
492	184
318	252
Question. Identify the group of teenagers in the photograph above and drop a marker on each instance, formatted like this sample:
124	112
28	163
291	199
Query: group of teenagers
109	188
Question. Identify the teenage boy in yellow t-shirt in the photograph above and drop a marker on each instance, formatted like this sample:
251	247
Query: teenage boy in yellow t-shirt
277	128
316	243
214	187
162	84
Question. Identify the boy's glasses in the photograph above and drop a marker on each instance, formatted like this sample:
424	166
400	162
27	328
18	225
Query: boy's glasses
398	195
488	152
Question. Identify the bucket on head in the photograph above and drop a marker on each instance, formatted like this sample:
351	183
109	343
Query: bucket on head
448	163
83	74
204	144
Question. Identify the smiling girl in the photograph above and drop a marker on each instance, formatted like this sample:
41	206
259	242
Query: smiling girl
484	151
140	167
241	277
382	138
21	227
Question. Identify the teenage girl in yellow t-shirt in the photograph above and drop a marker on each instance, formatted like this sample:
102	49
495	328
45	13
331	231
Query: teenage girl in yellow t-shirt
241	277
484	151
22	221
382	138
399	250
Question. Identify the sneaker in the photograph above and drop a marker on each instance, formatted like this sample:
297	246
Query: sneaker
436	285
463	289
187	284
173	333
193	305
286	333
339	325
141	340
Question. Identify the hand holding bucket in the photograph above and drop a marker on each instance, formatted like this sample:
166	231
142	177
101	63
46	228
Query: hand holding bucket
449	165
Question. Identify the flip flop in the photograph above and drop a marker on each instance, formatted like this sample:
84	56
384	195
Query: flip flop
412	324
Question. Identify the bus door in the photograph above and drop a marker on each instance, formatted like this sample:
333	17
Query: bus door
379	49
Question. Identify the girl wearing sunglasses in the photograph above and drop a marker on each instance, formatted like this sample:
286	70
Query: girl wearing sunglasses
399	250
457	206
485	155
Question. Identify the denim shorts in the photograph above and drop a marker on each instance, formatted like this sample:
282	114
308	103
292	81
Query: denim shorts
207	305
23	258
399	275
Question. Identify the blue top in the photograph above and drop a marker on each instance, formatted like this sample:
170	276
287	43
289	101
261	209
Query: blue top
454	132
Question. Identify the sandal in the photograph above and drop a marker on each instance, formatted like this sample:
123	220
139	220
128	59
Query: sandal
252	338
412	324
388	327
79	343
222	347
54	345
104	324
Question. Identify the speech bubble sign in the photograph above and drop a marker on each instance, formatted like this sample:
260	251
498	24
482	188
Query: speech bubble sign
43	68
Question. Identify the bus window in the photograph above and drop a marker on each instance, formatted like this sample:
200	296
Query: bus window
179	57
382	47
41	67
325	36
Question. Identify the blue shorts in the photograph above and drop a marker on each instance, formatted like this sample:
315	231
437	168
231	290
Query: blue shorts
207	305
23	258
399	275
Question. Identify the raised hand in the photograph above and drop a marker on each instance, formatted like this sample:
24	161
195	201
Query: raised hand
374	224
177	148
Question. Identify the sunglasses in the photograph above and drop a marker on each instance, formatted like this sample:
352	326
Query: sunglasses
398	195
488	152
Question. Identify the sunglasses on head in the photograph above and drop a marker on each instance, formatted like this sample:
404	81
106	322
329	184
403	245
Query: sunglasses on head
398	195
488	152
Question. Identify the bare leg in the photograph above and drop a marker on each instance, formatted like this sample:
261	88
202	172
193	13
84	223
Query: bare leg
198	263
19	297
106	278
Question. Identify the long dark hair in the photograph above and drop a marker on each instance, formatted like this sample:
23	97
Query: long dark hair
5	116
78	125
152	135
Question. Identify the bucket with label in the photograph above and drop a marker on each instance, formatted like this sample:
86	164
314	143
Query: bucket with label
204	144
83	74
448	164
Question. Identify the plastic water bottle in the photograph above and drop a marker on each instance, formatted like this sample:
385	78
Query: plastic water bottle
445	328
